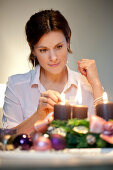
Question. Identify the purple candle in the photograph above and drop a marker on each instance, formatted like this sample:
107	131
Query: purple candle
62	110
79	111
105	108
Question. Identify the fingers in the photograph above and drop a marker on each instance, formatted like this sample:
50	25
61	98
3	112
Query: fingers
85	60
58	95
89	70
49	117
82	70
82	67
48	99
107	138
53	95
85	64
46	103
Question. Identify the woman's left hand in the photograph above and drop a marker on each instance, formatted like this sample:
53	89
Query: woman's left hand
89	70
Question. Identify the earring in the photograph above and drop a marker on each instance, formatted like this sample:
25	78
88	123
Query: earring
69	50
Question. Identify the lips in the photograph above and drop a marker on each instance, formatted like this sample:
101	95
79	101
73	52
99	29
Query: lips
54	65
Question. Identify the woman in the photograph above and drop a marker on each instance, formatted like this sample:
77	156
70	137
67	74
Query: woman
30	97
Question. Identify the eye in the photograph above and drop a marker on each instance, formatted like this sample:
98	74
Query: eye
43	50
59	46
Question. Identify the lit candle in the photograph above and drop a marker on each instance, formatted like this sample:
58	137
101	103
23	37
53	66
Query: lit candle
79	111
62	110
105	108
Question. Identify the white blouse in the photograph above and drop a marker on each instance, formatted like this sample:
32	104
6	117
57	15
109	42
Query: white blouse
23	92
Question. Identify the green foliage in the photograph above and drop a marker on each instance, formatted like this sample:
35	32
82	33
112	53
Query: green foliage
58	123
101	143
77	139
72	140
78	122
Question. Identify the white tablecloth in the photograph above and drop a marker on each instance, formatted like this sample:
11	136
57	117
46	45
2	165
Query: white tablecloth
67	157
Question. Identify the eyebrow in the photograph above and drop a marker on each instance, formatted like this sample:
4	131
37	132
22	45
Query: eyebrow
47	47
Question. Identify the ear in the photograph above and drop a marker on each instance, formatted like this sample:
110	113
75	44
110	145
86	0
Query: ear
33	52
68	47
68	44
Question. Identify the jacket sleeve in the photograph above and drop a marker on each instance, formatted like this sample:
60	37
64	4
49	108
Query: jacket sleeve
12	112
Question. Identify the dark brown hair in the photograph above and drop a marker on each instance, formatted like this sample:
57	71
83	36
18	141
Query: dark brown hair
44	22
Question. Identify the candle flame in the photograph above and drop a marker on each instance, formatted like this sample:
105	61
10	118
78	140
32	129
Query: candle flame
78	98
62	97
105	97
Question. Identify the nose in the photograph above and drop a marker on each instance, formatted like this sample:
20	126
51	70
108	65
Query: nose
52	55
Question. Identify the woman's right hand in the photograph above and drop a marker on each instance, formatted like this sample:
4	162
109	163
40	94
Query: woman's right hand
46	102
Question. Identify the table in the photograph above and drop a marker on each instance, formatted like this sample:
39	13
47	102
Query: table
94	158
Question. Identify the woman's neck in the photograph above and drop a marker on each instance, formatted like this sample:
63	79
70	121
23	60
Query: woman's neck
53	81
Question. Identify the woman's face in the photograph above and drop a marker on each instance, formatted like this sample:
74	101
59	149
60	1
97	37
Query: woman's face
51	52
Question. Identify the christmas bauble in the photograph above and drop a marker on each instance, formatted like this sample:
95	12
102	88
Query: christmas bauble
3	142
58	142
22	141
42	144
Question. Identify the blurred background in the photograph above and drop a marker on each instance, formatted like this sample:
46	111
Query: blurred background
91	22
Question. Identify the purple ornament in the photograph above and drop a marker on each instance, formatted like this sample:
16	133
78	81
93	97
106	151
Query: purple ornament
22	141
58	142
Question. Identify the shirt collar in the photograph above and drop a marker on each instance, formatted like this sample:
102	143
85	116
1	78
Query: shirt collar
72	78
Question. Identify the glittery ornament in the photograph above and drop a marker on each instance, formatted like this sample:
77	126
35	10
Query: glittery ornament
42	144
4	141
59	131
46	135
23	142
50	129
11	139
10	145
81	129
1	146
58	142
5	135
91	139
